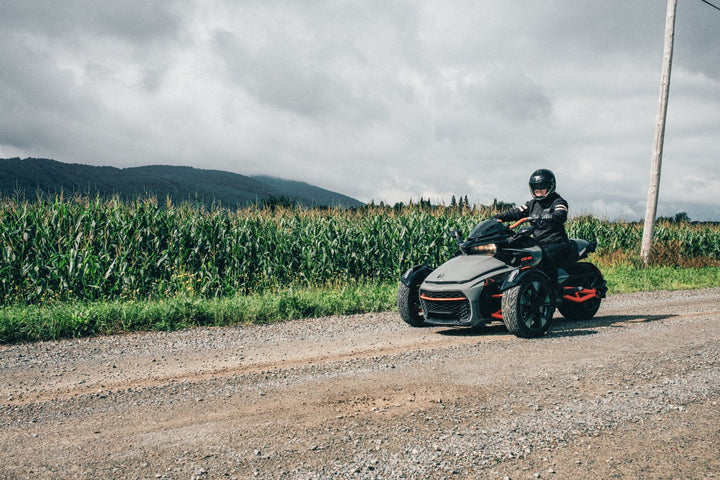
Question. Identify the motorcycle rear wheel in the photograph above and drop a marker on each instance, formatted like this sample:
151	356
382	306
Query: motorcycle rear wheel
584	275
528	307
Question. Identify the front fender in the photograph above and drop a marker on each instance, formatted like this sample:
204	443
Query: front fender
516	276
414	276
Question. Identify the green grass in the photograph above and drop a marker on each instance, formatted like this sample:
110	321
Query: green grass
625	278
80	319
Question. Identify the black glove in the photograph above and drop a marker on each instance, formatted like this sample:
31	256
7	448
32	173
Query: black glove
540	219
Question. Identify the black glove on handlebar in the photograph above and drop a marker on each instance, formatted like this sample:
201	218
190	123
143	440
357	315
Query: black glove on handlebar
541	219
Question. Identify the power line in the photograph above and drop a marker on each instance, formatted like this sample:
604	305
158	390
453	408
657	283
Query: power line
714	6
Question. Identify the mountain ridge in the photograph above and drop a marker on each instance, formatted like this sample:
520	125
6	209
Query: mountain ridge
25	177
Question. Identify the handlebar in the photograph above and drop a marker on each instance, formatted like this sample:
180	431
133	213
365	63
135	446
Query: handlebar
518	223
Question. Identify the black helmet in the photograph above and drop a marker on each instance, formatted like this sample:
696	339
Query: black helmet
542	179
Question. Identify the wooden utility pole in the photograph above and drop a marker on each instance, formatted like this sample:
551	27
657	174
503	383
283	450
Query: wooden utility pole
653	189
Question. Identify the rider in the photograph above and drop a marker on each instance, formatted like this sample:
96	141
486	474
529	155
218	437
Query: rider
547	212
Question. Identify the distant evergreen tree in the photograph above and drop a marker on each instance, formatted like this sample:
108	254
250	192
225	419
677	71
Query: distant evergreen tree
682	217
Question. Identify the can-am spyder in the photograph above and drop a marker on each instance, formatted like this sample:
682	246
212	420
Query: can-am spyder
495	276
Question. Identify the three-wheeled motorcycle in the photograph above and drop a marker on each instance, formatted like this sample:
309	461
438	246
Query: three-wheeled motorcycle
496	276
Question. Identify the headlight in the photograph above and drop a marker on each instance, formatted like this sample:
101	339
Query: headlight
489	249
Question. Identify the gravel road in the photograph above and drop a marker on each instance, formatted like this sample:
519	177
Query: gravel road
630	394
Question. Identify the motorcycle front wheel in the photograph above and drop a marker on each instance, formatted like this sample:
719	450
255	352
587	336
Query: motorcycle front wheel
408	302
528	307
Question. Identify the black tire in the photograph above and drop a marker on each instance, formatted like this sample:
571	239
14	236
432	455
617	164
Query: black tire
584	275
408	302
528	307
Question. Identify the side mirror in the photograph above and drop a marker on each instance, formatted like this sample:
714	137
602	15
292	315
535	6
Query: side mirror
457	235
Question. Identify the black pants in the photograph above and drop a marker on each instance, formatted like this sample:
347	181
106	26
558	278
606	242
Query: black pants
552	258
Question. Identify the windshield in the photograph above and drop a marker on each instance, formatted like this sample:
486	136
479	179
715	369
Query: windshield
489	229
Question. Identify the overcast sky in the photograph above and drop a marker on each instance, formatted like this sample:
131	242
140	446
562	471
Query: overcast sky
377	99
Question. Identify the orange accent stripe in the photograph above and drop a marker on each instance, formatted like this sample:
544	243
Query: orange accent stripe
425	297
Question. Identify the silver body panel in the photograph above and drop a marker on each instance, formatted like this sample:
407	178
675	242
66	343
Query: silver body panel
465	274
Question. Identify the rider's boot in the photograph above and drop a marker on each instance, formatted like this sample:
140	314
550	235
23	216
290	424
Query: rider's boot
557	293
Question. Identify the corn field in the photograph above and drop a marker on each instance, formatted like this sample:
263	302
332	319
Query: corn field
684	240
93	249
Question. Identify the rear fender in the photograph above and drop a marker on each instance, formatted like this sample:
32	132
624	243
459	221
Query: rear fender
591	247
580	249
414	276
516	276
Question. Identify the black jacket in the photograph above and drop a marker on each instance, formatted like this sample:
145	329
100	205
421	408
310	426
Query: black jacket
550	230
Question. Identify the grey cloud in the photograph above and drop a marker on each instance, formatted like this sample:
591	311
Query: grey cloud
383	99
99	35
132	20
338	60
696	39
38	100
279	74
